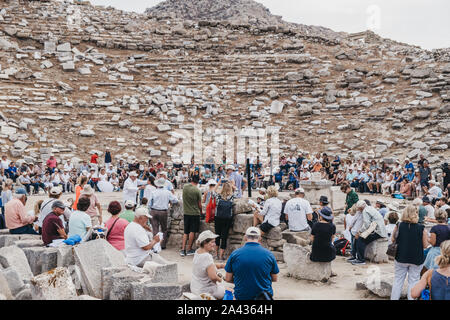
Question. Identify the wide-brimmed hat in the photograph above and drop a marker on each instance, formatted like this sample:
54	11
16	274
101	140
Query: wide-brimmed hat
212	182
326	213
380	201
299	190
142	211
55	191
161	182
87	190
394	206
208	234
323	199
129	204
133	174
229	167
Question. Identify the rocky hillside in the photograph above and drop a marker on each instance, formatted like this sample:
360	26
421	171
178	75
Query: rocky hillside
79	77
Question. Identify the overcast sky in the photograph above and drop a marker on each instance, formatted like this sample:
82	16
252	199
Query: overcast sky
420	22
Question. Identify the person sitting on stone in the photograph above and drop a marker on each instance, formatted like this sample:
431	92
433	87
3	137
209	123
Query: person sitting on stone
373	228
322	235
25	180
116	226
80	221
52	226
16	218
298	212
138	246
205	278
269	217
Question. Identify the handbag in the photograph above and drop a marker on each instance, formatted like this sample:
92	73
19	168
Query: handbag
426	293
392	248
210	210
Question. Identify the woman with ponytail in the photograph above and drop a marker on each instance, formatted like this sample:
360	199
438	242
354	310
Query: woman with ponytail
437	280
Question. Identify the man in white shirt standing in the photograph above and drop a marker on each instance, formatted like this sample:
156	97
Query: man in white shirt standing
159	200
131	187
298	211
138	247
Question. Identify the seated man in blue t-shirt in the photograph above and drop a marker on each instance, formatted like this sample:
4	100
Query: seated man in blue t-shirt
251	268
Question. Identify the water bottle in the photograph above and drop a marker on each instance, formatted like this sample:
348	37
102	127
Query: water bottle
228	295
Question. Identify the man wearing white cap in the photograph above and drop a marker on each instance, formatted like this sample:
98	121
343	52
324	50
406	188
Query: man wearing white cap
298	211
159	200
252	268
131	187
46	207
138	246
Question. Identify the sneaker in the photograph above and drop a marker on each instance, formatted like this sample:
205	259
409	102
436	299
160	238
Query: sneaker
183	253
351	259
358	262
190	252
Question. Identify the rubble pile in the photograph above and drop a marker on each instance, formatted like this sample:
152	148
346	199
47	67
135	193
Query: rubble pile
87	271
73	75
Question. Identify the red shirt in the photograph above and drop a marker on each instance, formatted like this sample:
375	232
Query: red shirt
94	158
50	227
51	163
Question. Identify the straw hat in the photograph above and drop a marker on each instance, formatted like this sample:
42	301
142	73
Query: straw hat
87	190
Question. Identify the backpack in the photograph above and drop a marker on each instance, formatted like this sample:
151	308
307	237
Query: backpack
224	209
341	245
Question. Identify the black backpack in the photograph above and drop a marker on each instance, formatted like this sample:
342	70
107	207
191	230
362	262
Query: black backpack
224	209
341	246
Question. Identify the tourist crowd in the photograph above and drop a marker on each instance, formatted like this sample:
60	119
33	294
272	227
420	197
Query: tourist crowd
138	224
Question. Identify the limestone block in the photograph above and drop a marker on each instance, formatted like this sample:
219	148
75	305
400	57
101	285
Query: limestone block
242	206
300	266
24	294
274	234
382	285
155	291
28	243
176	210
53	285
242	222
49	259
7	239
15	258
159	273
121	284
65	256
300	238
4	288
91	257
34	255
15	283
106	275
376	251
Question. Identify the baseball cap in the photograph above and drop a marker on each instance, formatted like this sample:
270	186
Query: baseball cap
142	211
425	199
55	191
253	231
299	190
129	204
20	191
58	204
208	234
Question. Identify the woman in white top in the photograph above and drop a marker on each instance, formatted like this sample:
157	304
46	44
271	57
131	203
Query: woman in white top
56	179
388	182
269	217
103	176
204	271
114	180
